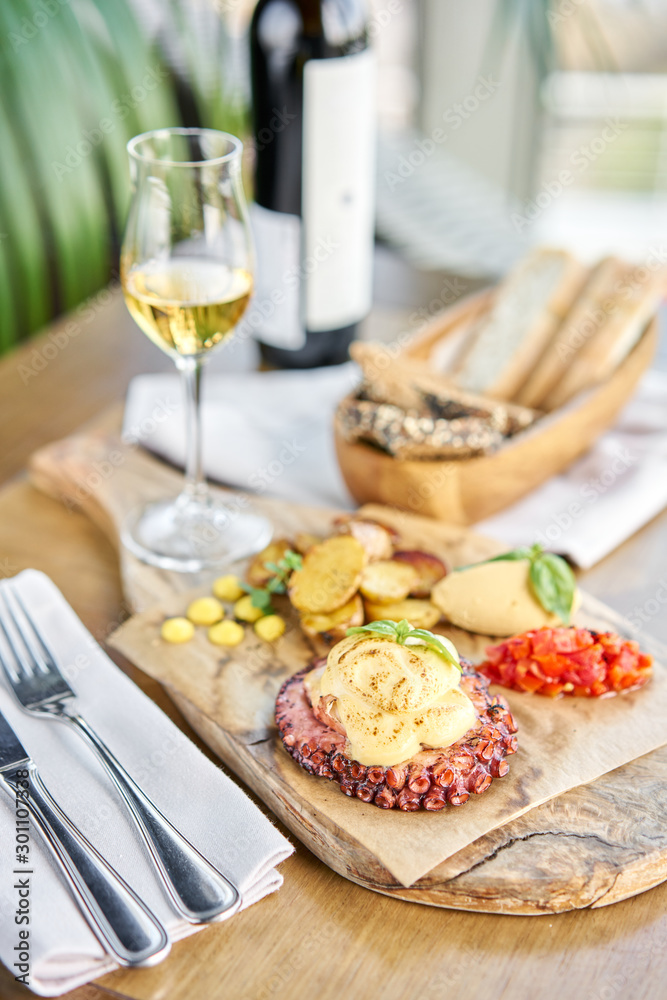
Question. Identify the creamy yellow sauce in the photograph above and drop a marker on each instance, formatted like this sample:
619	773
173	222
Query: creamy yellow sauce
393	700
493	598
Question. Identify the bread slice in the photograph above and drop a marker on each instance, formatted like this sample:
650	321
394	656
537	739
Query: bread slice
410	438
385	376
598	300
637	298
528	307
400	381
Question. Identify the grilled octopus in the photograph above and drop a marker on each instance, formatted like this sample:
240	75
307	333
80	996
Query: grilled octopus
430	779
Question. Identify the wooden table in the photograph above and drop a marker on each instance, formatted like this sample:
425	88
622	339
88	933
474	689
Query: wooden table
320	936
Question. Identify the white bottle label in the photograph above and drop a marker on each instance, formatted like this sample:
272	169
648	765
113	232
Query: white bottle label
275	314
337	189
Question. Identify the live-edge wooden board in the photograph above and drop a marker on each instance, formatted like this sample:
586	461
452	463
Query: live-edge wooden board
592	846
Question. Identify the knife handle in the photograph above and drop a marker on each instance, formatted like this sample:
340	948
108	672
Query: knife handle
125	926
198	891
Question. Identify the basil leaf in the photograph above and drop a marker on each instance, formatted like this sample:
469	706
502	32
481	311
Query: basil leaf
437	644
292	560
403	629
513	556
383	627
553	584
261	599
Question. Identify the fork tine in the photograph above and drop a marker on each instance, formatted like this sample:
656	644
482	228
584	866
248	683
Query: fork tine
8	657
19	646
30	633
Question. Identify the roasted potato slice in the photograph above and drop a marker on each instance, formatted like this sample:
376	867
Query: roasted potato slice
420	614
334	626
258	575
387	581
429	569
304	542
330	575
375	538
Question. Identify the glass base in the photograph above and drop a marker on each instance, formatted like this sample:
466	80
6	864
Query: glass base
188	534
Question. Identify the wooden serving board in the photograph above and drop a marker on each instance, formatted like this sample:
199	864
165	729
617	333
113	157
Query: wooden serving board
592	846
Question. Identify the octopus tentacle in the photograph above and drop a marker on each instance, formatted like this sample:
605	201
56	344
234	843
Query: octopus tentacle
431	779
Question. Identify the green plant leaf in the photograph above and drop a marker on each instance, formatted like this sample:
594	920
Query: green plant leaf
261	599
381	627
277	584
402	631
553	584
438	644
514	555
259	596
292	560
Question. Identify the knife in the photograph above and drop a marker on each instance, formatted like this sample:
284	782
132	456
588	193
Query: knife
123	924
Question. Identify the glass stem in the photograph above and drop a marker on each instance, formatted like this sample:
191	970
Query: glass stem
195	484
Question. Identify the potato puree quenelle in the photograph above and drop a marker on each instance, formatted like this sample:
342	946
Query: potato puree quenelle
393	699
493	598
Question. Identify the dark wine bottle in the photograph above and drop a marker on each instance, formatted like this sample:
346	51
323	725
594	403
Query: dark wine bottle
313	122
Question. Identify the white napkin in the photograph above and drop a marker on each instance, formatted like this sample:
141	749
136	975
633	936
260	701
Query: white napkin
271	432
266	432
604	497
201	801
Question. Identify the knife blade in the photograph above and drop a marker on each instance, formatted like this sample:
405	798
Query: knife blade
123	924
12	752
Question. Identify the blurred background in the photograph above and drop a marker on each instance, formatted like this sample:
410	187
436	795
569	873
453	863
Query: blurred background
501	123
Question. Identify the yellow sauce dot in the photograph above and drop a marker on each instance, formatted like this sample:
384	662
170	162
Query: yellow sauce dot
270	628
177	630
226	633
205	611
228	588
246	610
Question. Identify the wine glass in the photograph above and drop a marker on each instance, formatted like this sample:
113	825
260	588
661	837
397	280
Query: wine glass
186	272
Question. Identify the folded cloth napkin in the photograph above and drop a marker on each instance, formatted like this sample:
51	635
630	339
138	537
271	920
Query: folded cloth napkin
266	432
603	498
202	802
271	432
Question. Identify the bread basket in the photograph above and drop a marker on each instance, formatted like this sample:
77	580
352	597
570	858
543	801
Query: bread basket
468	490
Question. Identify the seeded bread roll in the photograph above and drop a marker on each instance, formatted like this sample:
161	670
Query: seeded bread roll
529	306
638	298
412	436
597	302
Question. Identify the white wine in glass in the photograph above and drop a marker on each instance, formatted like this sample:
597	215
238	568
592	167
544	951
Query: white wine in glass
186	272
187	305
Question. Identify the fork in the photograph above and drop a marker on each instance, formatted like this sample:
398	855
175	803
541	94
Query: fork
125	926
197	890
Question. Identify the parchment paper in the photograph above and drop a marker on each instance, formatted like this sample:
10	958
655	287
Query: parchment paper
562	743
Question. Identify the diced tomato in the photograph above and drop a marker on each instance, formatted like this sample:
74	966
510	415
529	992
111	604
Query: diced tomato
551	664
552	690
615	676
573	661
531	683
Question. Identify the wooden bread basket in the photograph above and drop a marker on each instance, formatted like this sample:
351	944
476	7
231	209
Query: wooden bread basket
465	491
